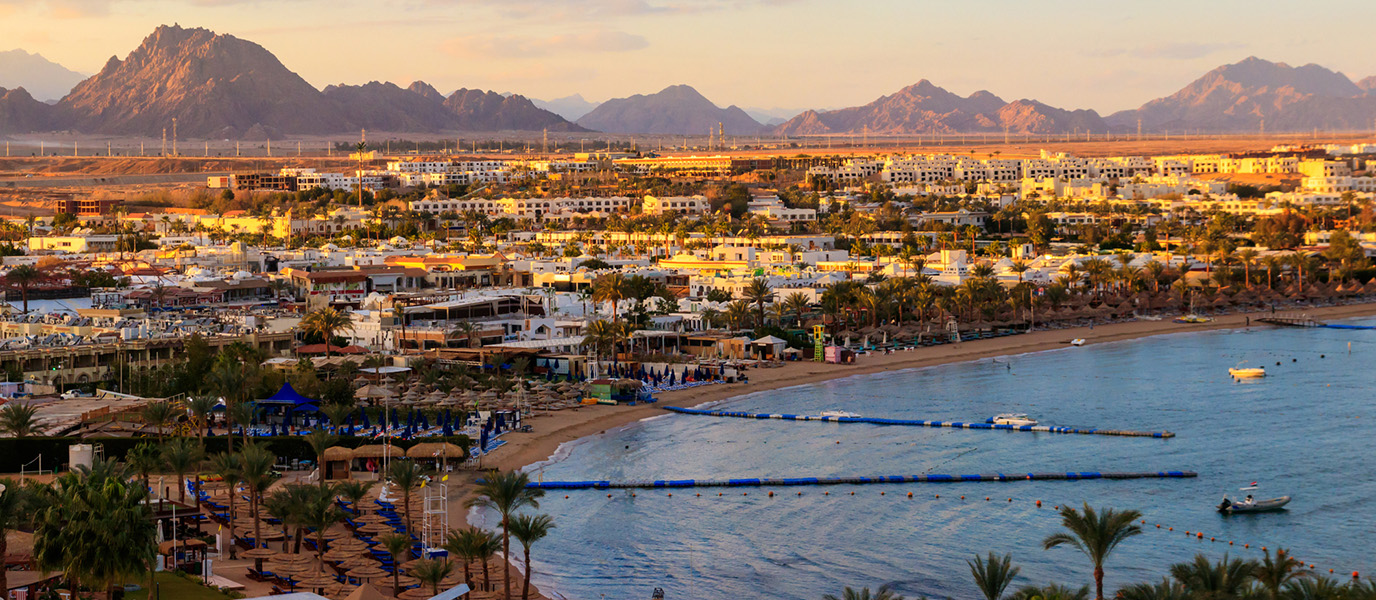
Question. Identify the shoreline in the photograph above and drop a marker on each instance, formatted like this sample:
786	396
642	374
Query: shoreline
552	432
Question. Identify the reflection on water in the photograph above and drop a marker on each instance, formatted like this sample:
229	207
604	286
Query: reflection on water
1305	431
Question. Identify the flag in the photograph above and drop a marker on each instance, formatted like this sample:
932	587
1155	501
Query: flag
422	483
1254	483
445	478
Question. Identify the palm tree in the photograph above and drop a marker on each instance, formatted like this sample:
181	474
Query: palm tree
797	303
613	287
1165	590
23	277
337	413
738	313
327	322
399	546
1204	580
1273	573
603	337
18	419
230	468
529	530
993	575
201	408
258	476
15	509
463	544
239	412
286	504
158	414
486	545
506	493
95	527
320	441
1051	592
431	572
353	491
759	293
884	593
181	455
144	459
1095	534
1326	588
406	476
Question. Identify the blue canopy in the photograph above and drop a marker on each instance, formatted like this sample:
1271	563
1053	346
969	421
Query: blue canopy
287	396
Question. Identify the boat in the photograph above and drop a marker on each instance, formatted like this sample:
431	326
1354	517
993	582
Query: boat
839	414
1250	504
1018	419
1077	342
1241	372
1192	318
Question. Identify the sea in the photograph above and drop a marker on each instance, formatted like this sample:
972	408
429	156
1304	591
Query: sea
1306	430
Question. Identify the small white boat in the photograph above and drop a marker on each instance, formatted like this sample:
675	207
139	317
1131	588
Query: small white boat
1077	342
1018	419
1247	372
839	413
1250	504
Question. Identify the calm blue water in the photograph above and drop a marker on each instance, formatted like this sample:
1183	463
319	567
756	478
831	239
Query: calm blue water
1306	431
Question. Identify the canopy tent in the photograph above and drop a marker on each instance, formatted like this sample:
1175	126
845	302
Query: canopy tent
287	396
768	347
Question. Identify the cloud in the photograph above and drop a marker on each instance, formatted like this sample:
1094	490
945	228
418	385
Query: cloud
1166	51
496	46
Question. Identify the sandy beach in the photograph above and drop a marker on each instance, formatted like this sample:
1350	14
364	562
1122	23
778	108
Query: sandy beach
552	430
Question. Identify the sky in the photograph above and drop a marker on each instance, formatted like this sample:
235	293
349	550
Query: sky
795	54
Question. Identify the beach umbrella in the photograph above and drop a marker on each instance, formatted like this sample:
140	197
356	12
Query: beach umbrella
258	553
367	573
337	555
319	580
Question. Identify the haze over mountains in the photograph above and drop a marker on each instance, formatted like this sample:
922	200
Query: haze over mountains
44	79
219	86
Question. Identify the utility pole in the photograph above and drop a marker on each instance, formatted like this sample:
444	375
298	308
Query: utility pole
174	137
163	152
545	141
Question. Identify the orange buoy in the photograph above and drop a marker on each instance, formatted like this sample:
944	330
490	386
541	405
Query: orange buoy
718	493
826	493
1039	504
1158	526
910	494
1355	575
745	493
1199	535
566	497
986	498
699	494
962	497
852	493
800	493
1246	545
1330	570
1170	529
671	494
1010	499
771	494
1263	548
1230	543
609	495
1211	539
881	493
632	494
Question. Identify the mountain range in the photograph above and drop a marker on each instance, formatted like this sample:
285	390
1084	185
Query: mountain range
677	109
219	86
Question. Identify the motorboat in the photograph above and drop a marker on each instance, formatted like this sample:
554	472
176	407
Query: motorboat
839	414
1192	318
1250	504
1241	372
1077	342
1018	419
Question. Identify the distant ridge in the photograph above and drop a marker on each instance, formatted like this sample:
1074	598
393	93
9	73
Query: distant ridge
925	108
1240	96
43	78
219	86
677	109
